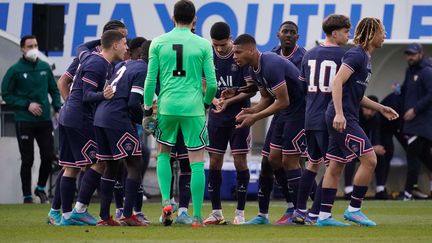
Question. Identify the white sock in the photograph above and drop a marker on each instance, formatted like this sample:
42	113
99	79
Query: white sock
172	201
352	209
349	189
218	212
181	210
380	189
52	209
239	212
290	205
80	207
265	215
67	215
302	210
324	215
313	215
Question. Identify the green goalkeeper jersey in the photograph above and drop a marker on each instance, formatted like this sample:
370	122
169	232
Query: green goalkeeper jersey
180	57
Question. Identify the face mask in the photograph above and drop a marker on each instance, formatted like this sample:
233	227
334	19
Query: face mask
32	54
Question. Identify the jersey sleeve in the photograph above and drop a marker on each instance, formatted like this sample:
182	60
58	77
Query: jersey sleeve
303	69
71	70
210	74
152	74
93	77
352	60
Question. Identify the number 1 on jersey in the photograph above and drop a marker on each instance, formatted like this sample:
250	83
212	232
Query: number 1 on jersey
326	73
179	72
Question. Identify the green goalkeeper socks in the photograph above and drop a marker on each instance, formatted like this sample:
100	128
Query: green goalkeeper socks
197	186
164	174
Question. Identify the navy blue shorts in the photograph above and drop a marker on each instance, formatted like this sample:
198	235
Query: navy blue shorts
348	145
238	139
179	151
77	146
317	145
288	136
114	144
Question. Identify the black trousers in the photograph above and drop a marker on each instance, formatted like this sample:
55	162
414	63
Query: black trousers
418	151
27	132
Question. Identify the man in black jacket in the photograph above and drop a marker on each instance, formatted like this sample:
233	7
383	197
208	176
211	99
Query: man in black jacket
417	89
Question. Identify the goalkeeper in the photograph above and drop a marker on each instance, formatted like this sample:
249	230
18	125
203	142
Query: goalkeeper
180	57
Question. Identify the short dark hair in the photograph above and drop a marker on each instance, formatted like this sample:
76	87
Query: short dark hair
184	12
220	31
335	22
244	39
109	37
373	98
113	25
26	37
136	43
145	47
289	22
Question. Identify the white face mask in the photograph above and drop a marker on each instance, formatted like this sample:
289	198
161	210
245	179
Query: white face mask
32	54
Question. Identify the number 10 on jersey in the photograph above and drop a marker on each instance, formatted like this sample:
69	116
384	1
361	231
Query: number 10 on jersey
326	73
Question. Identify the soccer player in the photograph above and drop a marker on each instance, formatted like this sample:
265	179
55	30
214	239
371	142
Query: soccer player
117	138
282	94
346	138
180	57
63	84
221	125
76	132
318	68
288	48
135	53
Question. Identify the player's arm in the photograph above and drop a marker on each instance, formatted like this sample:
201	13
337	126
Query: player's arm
63	84
91	81
151	78
280	103
136	98
210	75
339	122
386	111
265	101
88	46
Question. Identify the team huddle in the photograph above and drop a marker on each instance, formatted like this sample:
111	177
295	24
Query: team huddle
314	97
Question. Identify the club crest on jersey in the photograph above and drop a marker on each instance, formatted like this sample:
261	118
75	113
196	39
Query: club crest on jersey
415	77
25	75
234	67
43	73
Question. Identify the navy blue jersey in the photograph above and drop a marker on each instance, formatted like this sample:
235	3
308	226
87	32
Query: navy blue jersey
88	46
229	75
358	61
319	67
86	90
274	71
295	57
125	107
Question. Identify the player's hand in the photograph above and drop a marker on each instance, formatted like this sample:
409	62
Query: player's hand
56	116
339	123
409	115
379	149
35	108
108	92
389	113
249	88
228	93
149	124
223	104
216	103
245	120
246	110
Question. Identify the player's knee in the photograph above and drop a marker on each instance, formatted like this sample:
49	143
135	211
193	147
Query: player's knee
369	160
216	161
291	162
184	166
111	169
99	167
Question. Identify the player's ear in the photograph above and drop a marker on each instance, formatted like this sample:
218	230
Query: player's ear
173	19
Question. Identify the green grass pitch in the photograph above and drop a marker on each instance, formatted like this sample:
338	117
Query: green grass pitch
397	222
